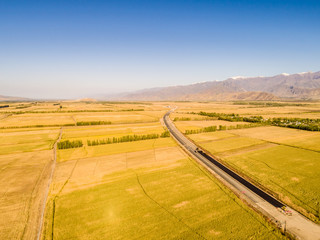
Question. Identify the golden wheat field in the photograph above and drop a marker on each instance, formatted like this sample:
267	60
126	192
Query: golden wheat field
147	188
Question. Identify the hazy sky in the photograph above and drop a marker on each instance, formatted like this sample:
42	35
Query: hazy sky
74	48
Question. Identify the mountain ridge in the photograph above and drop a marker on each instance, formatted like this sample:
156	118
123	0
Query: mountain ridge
13	99
282	86
298	86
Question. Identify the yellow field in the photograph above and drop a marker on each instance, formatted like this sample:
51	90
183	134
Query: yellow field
177	115
147	194
193	125
120	117
283	160
25	141
22	186
307	109
36	119
59	119
146	189
80	106
292	137
112	130
95	151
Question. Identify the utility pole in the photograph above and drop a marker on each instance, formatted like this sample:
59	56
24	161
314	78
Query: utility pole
284	226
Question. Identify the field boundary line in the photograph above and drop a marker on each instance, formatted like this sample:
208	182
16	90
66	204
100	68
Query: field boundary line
294	224
224	188
281	144
49	184
302	148
230	194
55	197
28	206
214	140
251	178
75	121
297	198
5	116
166	210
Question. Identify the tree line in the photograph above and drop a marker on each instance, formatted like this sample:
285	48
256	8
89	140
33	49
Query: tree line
75	111
268	104
127	138
220	128
308	124
39	126
181	119
70	144
93	123
298	123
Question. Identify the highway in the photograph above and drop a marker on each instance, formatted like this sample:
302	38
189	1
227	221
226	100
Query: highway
290	221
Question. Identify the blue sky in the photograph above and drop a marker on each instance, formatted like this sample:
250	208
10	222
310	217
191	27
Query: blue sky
72	49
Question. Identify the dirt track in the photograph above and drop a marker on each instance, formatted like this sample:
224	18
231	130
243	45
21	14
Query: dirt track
44	200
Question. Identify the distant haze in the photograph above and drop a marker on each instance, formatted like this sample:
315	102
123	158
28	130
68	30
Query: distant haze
77	49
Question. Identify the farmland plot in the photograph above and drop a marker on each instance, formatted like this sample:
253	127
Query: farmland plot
149	194
144	189
285	161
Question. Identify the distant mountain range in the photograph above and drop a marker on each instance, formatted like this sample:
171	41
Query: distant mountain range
12	99
304	86
284	86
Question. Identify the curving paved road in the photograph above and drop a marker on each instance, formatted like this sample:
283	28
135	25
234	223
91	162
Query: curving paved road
295	224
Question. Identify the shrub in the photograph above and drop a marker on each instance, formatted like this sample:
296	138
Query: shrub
165	134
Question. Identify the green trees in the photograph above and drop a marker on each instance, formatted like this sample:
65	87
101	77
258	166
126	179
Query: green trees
165	134
298	123
93	123
221	128
70	144
201	130
127	138
181	119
